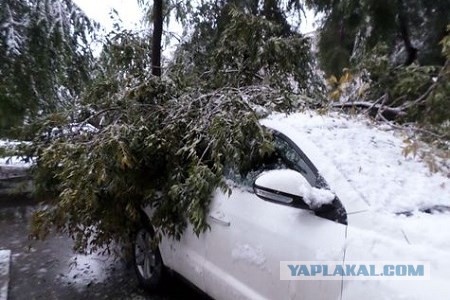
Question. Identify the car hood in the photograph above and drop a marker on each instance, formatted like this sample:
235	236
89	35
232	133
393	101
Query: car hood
380	245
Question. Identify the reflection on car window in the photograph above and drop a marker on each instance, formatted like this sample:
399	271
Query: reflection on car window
292	160
284	156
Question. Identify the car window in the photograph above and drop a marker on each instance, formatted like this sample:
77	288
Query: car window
292	159
286	155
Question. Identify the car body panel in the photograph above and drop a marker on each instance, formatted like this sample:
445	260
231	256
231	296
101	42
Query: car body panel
185	256
260	235
369	245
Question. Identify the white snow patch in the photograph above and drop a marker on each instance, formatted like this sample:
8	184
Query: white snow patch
284	180
14	161
11	144
84	270
73	129
318	197
249	254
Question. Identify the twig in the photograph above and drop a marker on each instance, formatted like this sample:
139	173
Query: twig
380	111
411	128
375	103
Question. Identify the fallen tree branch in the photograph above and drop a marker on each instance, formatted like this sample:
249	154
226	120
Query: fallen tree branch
412	128
396	111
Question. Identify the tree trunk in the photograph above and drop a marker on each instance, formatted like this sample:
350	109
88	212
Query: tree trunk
404	31
254	7
273	13
157	36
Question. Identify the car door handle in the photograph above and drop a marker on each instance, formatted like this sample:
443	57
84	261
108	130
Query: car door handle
219	218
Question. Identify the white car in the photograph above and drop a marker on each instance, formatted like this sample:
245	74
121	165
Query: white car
298	206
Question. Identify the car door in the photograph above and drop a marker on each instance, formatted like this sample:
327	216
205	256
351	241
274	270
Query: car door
186	256
249	237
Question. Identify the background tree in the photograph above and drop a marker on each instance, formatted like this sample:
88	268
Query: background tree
45	58
393	49
243	43
157	35
157	14
411	31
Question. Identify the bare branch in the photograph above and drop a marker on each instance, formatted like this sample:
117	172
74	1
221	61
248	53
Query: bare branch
397	111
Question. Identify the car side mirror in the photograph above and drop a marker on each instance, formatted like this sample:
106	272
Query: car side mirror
291	188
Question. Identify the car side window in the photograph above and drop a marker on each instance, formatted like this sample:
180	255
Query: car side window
284	156
293	160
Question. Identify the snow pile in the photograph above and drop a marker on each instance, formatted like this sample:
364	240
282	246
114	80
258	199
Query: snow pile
407	201
85	270
287	181
318	197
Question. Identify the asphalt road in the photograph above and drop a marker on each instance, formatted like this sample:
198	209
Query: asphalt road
51	270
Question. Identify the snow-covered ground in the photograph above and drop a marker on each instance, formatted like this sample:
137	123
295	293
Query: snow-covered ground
84	270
